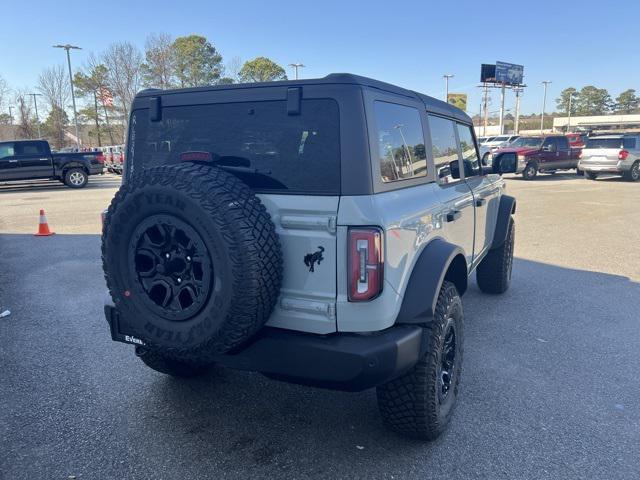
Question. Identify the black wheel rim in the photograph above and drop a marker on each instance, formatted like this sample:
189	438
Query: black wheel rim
171	266
447	368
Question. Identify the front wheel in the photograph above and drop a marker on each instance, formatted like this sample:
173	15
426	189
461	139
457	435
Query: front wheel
494	272
530	171
76	178
633	175
421	402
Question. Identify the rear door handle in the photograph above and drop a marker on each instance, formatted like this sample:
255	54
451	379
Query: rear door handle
453	215
13	161
480	202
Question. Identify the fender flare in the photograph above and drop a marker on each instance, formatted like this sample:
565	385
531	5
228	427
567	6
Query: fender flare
438	261
506	208
63	167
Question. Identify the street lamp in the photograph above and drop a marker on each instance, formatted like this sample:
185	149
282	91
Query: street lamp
544	101
68	47
296	66
35	104
446	77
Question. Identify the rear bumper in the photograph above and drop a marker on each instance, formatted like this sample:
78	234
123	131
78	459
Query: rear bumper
619	167
341	361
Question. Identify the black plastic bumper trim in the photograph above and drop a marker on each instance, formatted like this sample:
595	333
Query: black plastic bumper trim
341	361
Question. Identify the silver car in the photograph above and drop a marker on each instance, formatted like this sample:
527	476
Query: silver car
617	154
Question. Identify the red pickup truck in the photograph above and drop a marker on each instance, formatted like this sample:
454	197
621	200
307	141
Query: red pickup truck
542	154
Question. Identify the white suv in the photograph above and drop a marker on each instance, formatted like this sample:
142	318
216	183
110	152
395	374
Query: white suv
318	231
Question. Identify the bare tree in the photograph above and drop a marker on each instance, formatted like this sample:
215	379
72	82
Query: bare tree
53	83
158	70
26	127
233	67
123	61
4	93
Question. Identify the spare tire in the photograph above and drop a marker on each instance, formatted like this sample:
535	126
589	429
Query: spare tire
191	259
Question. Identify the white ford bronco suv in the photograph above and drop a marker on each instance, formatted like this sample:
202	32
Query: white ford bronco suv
319	231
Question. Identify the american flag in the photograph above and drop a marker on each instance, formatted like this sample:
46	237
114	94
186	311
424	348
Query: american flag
105	96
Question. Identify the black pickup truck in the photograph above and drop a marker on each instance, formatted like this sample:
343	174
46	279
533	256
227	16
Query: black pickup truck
33	159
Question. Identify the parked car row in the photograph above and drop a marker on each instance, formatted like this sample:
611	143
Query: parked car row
113	158
612	154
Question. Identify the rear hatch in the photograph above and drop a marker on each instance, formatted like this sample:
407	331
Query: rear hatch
292	162
602	151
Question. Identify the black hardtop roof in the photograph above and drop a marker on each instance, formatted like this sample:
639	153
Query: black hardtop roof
432	104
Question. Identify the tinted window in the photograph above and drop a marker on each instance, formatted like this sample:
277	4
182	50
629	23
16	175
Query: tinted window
550	142
6	150
30	148
445	149
257	141
401	150
595	142
629	142
469	153
532	142
563	143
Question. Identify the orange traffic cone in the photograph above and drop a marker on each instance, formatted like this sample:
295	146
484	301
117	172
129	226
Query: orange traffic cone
43	227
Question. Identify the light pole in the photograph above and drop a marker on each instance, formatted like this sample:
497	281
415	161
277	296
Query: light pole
68	47
296	66
544	101
35	104
516	125
569	111
446	77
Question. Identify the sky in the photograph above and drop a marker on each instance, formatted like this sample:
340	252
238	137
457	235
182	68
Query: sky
411	44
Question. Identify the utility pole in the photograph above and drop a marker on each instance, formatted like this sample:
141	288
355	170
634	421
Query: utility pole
544	102
35	104
446	77
502	109
516	126
569	112
10	115
296	66
68	47
486	109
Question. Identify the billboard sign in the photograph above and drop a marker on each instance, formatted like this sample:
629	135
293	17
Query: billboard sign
458	100
487	73
509	73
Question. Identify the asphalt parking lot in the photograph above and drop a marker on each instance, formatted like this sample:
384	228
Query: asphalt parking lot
550	387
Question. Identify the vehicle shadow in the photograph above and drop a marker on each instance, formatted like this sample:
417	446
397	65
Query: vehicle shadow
95	182
89	398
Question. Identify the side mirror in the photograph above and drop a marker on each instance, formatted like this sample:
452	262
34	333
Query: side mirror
454	168
505	163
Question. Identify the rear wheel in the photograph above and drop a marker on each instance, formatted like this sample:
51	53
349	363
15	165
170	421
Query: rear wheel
530	171
591	175
633	175
494	272
421	402
76	178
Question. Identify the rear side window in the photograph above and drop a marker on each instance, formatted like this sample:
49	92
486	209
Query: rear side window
259	142
30	148
445	150
6	150
629	142
401	150
563	143
604	143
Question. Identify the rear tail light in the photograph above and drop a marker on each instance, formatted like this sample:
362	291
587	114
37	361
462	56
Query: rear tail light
623	154
366	264
100	158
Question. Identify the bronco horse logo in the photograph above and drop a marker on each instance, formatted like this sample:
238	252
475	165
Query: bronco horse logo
310	259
